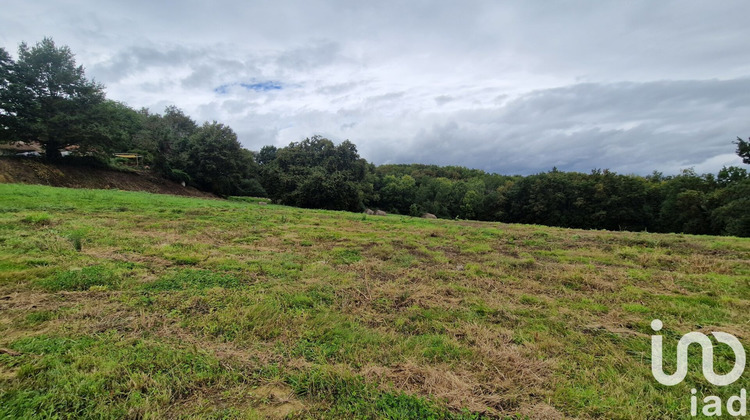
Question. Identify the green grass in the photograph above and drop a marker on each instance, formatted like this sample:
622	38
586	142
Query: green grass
81	279
105	376
120	304
41	219
190	278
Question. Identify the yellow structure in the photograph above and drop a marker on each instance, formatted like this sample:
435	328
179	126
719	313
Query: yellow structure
137	158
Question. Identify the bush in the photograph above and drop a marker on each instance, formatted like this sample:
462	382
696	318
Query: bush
178	176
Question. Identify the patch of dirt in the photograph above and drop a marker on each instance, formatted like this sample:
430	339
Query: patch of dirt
27	301
32	171
541	411
459	389
277	402
7	374
614	330
9	352
505	380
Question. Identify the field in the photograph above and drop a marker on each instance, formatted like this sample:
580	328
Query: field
121	304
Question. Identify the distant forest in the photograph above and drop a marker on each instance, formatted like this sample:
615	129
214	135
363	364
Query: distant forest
46	99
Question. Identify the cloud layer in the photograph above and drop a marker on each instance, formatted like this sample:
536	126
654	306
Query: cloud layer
520	88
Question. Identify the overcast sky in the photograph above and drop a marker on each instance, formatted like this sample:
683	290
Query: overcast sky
508	87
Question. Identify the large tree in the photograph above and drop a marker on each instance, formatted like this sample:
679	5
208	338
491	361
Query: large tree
46	98
316	173
217	162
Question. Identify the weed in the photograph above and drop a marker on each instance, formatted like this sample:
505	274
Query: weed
38	219
77	238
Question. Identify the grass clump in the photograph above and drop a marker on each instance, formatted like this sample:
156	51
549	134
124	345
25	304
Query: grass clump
38	219
194	279
351	397
40	317
346	256
82	279
77	237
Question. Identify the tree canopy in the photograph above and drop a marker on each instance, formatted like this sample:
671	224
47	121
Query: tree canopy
46	98
316	173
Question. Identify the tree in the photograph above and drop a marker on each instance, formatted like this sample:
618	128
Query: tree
732	174
316	173
267	155
743	150
46	98
7	106
218	163
731	216
397	193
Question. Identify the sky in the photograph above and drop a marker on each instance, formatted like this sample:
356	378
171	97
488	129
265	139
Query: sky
512	87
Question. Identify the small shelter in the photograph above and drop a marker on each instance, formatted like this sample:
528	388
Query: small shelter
132	156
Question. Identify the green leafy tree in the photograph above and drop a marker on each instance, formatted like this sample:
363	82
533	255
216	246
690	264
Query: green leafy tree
316	173
398	193
730	175
8	98
267	155
46	98
743	150
120	123
163	139
217	162
686	205
731	215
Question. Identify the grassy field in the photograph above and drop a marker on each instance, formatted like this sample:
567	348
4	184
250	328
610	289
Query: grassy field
120	304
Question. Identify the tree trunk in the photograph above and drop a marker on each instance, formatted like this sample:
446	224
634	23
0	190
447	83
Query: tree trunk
52	151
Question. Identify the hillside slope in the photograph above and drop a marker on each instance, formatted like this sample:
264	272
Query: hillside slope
32	171
119	304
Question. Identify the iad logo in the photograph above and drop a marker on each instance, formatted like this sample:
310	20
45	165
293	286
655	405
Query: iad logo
735	405
708	357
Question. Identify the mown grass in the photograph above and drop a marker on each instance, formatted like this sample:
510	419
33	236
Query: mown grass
117	304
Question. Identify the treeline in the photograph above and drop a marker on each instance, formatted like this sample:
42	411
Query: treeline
689	202
317	174
208	156
46	99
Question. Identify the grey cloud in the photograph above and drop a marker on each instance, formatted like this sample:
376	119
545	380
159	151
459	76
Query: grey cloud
199	77
238	107
508	87
310	56
640	101
627	127
384	98
339	88
443	99
139	59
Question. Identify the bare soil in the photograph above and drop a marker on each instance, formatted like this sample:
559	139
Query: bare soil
33	171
